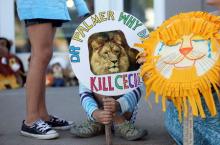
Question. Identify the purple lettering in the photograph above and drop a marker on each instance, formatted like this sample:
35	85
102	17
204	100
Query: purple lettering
129	80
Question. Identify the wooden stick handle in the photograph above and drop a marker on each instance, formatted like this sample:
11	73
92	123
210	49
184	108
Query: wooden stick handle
108	134
188	137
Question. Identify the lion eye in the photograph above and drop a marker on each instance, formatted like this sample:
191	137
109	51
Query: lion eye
175	44
117	51
198	40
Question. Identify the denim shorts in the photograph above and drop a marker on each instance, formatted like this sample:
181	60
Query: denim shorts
55	23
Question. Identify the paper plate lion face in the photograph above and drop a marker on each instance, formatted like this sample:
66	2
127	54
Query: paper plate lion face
188	52
183	61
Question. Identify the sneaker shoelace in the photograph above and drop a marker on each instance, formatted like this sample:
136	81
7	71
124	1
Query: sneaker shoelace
42	126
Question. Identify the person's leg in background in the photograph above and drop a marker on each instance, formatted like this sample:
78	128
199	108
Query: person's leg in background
38	123
42	103
41	38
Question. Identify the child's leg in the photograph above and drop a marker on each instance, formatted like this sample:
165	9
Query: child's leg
42	103
118	119
41	38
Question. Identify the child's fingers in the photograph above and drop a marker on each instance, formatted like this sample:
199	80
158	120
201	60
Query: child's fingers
110	106
106	118
113	110
106	122
143	54
107	113
107	108
108	99
112	103
141	60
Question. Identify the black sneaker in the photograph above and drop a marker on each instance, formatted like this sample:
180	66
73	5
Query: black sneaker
58	123
39	130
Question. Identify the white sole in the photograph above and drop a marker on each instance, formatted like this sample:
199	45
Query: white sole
37	136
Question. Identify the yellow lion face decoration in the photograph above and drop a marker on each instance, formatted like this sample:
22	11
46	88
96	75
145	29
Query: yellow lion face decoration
183	61
190	52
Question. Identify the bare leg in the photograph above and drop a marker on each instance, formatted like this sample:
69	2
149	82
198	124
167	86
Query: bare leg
42	103
41	38
120	119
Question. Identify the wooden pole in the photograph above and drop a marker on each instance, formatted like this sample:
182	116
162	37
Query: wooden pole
188	128
108	134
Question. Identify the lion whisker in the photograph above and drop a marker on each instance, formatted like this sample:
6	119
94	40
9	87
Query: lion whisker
195	55
174	61
164	65
172	56
205	63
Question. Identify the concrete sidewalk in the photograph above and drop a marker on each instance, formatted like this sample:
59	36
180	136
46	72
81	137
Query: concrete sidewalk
64	102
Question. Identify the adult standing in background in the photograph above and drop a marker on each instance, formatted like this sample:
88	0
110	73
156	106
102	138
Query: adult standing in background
41	18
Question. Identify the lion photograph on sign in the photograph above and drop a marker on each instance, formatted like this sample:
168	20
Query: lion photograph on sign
109	53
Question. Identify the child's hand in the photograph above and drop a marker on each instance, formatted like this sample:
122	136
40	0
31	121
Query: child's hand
102	116
110	104
142	58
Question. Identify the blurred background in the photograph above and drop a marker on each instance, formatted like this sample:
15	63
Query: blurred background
150	12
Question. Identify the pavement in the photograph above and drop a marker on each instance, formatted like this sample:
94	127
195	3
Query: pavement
64	102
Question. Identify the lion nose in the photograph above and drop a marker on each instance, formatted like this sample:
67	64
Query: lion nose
114	61
186	50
